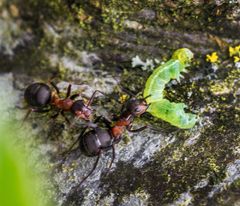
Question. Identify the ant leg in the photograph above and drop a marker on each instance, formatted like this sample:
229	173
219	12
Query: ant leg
136	130
65	154
147	96
66	119
105	121
127	91
27	114
113	156
19	107
55	87
74	96
92	170
97	119
68	91
34	110
54	116
79	137
41	110
93	96
81	134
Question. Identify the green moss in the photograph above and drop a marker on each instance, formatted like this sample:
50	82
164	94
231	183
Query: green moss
47	9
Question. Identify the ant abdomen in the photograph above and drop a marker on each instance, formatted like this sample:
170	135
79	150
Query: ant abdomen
38	95
94	141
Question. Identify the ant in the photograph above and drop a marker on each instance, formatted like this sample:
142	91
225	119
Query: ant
42	99
98	140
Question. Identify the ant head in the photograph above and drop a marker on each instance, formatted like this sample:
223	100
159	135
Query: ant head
137	106
81	110
38	95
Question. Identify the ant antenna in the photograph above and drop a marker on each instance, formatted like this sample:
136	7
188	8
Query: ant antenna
127	91
147	96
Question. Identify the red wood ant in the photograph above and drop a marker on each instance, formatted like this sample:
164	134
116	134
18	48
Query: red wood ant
42	99
97	140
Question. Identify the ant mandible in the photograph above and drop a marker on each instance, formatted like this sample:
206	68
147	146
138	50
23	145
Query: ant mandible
98	140
42	99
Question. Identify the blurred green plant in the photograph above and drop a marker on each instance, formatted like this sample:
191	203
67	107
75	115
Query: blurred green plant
19	184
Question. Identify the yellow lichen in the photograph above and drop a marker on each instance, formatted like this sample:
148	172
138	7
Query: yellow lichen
14	10
96	3
83	17
231	51
234	51
213	165
213	57
123	98
236	59
220	88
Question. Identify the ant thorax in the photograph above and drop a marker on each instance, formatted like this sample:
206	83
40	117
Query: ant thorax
117	131
64	104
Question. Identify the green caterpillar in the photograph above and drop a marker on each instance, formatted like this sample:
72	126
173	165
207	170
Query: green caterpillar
162	108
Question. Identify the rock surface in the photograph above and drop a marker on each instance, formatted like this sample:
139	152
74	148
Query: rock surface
91	44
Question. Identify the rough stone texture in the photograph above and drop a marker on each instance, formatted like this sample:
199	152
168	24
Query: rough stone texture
88	43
